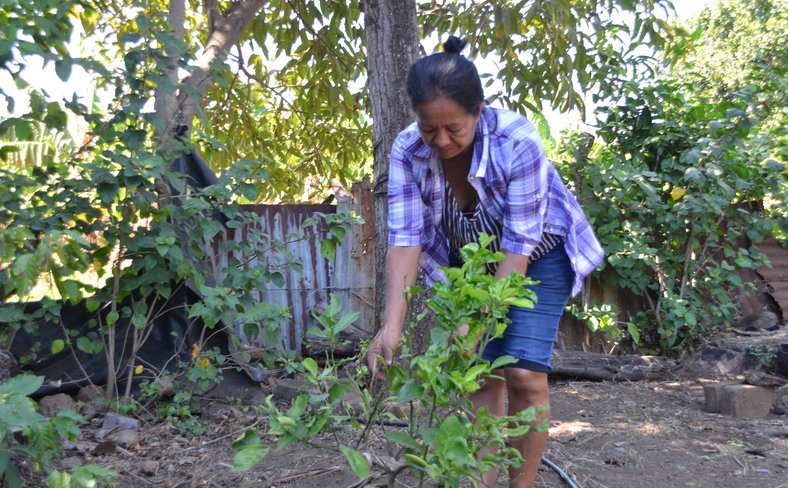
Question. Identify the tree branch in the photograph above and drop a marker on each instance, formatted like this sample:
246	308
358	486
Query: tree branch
227	31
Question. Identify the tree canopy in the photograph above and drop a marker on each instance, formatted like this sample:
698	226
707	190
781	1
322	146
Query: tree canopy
279	94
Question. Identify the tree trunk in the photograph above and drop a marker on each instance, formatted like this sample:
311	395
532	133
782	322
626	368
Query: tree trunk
225	31
392	46
165	99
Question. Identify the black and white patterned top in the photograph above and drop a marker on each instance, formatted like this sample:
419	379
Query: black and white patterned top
464	227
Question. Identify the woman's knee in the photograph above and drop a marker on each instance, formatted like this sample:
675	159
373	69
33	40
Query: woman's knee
528	387
493	384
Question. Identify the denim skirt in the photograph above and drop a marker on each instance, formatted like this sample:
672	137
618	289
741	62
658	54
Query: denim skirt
530	335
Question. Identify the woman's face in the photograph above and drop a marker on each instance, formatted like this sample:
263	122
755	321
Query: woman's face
446	126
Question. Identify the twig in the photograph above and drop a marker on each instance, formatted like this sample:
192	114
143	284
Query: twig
364	482
205	443
308	474
139	478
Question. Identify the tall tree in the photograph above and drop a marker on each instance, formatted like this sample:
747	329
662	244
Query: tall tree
392	46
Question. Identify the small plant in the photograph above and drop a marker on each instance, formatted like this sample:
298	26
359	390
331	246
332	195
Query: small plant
766	356
444	434
26	433
604	319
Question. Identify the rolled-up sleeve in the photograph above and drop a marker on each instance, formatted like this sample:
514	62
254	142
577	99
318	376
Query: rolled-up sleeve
406	208
525	204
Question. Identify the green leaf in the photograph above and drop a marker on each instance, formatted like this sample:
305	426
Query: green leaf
143	22
63	68
299	406
634	332
450	441
57	345
503	361
338	391
520	302
415	460
328	249
410	391
403	439
112	317
310	365
23	385
249	438
358	463
338	233
345	321
249	456
8	471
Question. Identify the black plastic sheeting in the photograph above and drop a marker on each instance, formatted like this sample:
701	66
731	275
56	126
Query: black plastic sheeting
168	347
170	342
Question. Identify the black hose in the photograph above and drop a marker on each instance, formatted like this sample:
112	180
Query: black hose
561	472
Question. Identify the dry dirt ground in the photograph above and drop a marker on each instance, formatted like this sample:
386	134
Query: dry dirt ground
639	434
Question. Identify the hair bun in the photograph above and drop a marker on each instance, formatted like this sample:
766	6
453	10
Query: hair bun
454	45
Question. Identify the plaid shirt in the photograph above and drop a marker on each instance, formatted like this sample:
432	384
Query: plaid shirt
515	182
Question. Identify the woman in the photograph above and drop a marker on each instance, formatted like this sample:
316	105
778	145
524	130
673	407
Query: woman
461	169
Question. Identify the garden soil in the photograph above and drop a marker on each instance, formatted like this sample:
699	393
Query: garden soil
603	434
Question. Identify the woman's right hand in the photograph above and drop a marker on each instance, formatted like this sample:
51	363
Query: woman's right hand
381	351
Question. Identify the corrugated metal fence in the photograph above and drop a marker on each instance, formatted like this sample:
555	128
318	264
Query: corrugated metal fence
350	275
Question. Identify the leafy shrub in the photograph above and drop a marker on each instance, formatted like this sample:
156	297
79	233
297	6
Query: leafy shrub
27	434
443	433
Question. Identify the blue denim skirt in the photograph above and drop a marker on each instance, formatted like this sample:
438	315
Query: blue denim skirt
530	335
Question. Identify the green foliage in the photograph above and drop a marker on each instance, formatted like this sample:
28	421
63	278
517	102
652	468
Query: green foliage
25	433
88	476
603	319
111	223
738	44
674	194
691	175
557	51
444	433
297	101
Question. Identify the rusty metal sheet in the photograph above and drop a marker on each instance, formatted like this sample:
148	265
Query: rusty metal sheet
303	291
776	276
350	276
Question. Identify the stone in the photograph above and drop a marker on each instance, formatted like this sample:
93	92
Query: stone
93	409
763	320
112	420
258	398
50	405
780	406
91	393
7	364
781	359
759	378
149	468
219	411
712	395
711	361
125	437
747	401
69	463
618	456
287	389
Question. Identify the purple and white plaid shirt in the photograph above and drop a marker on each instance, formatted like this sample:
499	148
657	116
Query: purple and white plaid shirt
515	182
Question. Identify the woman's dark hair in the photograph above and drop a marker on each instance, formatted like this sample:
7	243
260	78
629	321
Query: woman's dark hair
448	74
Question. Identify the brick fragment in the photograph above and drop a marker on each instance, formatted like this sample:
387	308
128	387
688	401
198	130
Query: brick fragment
712	394
747	401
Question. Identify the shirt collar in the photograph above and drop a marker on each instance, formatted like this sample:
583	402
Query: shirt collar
481	144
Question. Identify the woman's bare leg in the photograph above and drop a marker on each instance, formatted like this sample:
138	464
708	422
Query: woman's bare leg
527	389
490	395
